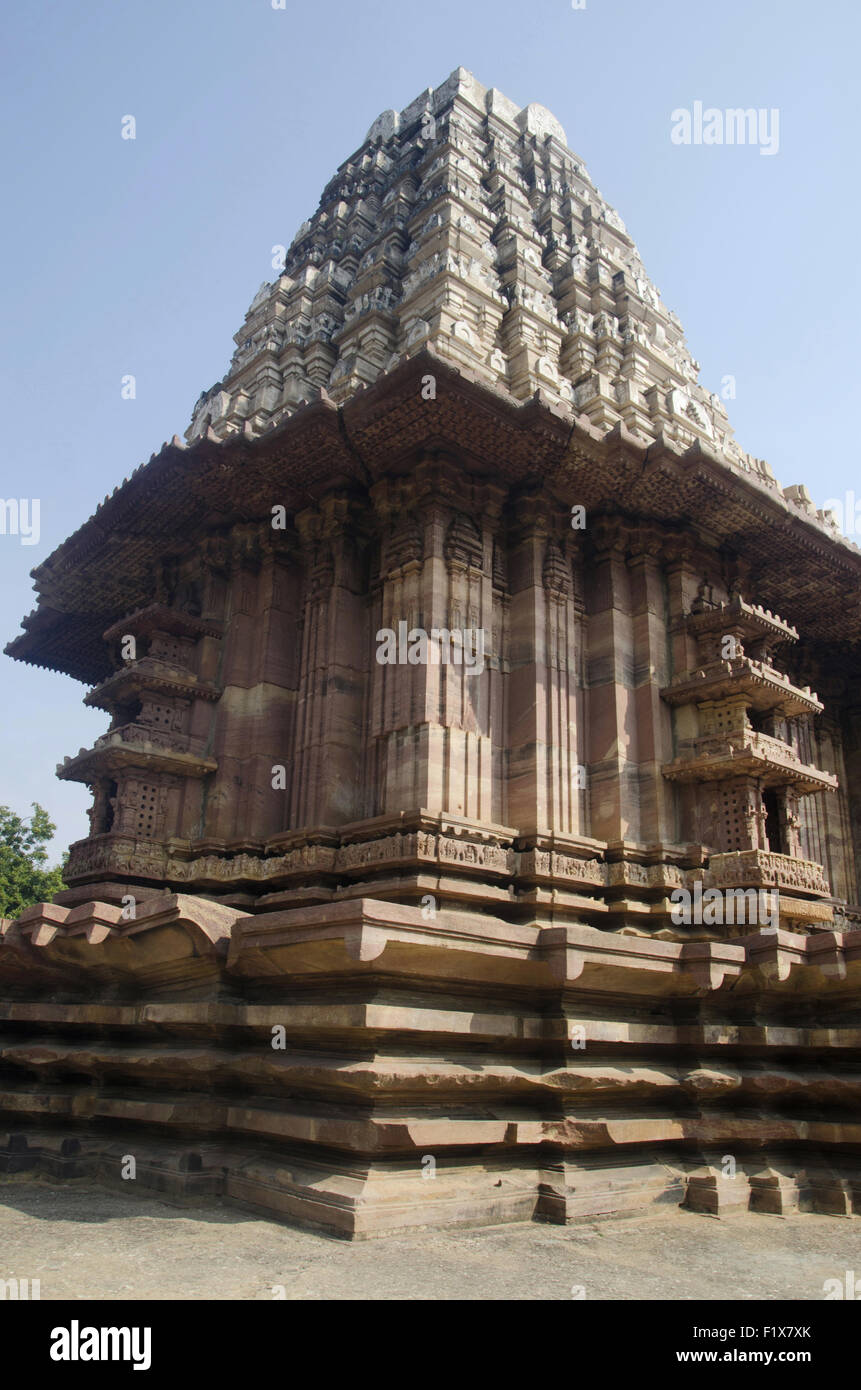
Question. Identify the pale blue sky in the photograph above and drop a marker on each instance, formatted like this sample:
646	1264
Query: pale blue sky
142	256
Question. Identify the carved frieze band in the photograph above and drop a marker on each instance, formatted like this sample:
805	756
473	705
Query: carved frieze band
119	855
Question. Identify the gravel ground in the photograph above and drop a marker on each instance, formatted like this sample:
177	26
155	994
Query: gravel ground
86	1243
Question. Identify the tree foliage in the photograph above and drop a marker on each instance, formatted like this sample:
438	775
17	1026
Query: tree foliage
24	877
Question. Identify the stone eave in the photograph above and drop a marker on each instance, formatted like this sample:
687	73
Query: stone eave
765	687
149	674
799	567
111	753
749	620
158	617
750	759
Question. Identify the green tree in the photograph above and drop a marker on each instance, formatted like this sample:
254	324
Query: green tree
24	879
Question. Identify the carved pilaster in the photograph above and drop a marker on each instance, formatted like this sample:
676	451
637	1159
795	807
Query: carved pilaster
328	786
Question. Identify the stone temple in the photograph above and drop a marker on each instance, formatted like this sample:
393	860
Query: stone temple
477	832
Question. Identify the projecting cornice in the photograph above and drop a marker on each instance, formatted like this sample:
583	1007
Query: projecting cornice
104	571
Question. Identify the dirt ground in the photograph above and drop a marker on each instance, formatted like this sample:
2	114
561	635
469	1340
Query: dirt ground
85	1243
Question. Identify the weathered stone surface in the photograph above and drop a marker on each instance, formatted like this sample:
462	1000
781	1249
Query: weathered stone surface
357	1068
554	906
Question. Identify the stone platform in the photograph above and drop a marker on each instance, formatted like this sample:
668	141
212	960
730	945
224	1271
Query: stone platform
364	1069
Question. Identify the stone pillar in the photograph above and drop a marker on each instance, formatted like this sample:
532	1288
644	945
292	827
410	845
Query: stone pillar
691	816
650	672
498	677
851	725
269	700
432	716
563	693
790	822
528	802
611	705
547	759
328	786
838	858
398	754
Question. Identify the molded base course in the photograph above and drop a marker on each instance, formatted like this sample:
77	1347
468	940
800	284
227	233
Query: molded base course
609	1189
360	1070
351	1200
